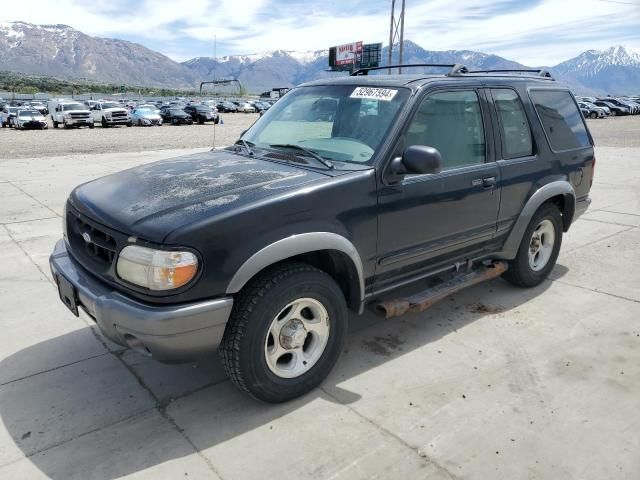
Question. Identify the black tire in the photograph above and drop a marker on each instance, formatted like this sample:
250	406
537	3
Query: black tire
593	115
201	121
55	124
242	350
174	121
104	123
520	272
92	126
613	113
65	125
129	124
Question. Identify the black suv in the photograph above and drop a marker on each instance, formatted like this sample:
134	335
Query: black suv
175	115
202	113
343	191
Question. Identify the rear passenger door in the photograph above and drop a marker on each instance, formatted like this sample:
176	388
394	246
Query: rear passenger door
427	220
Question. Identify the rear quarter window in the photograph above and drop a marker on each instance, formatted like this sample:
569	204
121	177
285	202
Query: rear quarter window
561	119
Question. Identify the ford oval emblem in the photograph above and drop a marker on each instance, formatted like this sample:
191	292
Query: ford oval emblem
86	237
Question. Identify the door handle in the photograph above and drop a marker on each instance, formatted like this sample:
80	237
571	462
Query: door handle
489	182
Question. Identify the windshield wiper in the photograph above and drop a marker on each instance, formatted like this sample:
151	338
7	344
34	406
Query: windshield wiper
246	145
310	153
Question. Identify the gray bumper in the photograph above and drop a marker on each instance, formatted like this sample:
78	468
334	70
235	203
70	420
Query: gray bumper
581	207
170	333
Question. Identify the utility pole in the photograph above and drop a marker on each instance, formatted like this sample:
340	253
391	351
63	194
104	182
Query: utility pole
396	32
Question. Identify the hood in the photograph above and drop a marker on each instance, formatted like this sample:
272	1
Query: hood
77	111
150	116
153	200
30	118
115	109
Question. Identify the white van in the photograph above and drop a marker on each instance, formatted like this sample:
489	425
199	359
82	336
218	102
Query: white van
69	113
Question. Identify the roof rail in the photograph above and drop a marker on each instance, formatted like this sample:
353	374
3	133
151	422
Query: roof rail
455	69
539	72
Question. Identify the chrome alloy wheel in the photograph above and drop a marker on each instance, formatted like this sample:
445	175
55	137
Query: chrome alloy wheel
297	338
541	245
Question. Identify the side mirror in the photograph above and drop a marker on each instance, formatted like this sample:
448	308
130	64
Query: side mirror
416	159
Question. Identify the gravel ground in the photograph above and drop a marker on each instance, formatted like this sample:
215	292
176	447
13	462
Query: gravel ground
611	132
51	142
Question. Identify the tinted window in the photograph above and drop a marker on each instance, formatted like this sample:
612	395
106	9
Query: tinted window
561	119
514	126
452	123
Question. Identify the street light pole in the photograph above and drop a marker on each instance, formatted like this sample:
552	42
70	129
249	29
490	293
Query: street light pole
396	32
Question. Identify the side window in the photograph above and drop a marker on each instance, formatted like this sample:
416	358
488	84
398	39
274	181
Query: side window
561	119
452	123
514	126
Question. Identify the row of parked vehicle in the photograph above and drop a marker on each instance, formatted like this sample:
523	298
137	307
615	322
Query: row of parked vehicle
74	114
602	107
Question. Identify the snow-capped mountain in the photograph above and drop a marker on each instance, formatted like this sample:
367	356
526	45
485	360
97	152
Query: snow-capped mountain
62	51
614	70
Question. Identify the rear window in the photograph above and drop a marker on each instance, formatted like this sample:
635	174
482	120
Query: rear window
514	126
562	121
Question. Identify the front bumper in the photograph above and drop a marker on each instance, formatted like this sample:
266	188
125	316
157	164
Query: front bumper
33	124
170	333
79	121
117	120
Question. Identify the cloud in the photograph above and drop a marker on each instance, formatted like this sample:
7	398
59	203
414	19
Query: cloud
534	32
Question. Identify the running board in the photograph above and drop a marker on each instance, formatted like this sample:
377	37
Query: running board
425	299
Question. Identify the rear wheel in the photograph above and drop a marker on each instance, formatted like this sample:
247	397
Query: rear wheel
285	333
538	249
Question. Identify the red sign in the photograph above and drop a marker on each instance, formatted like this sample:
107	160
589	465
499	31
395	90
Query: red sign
348	53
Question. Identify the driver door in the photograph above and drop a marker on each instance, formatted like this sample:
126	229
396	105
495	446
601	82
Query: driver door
432	220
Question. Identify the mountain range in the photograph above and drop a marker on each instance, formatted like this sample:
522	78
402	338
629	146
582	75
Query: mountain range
62	51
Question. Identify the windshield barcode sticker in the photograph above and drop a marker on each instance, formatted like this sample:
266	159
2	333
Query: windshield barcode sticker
385	94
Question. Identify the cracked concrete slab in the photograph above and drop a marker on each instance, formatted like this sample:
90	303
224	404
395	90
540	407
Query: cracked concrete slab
146	446
313	437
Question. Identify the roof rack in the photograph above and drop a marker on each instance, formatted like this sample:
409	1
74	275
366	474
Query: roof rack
456	69
539	72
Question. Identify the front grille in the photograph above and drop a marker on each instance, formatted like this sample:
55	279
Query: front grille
119	115
91	243
79	115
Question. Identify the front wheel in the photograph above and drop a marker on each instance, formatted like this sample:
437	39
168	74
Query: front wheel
593	114
104	123
538	249
285	333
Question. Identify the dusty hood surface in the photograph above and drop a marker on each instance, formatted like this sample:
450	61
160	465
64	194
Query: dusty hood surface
154	199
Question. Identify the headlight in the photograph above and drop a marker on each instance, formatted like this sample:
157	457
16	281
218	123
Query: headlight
67	116
156	269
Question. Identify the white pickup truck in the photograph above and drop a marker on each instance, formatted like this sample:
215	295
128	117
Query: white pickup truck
111	113
69	113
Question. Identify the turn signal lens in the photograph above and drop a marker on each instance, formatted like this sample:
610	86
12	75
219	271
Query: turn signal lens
156	269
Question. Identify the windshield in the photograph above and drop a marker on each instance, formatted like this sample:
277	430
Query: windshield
177	111
110	105
345	123
73	106
28	113
145	111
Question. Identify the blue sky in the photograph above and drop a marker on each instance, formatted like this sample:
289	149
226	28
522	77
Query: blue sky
533	32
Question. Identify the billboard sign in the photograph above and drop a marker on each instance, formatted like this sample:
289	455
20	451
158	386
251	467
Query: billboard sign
348	54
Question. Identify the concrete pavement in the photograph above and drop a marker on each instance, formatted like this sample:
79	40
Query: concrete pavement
494	382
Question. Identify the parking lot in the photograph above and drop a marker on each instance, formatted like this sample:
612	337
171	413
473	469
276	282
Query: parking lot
493	383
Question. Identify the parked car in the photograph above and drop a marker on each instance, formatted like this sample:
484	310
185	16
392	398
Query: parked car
202	113
245	107
621	104
175	116
591	111
30	119
178	257
145	116
69	113
7	116
40	107
227	107
615	109
109	114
